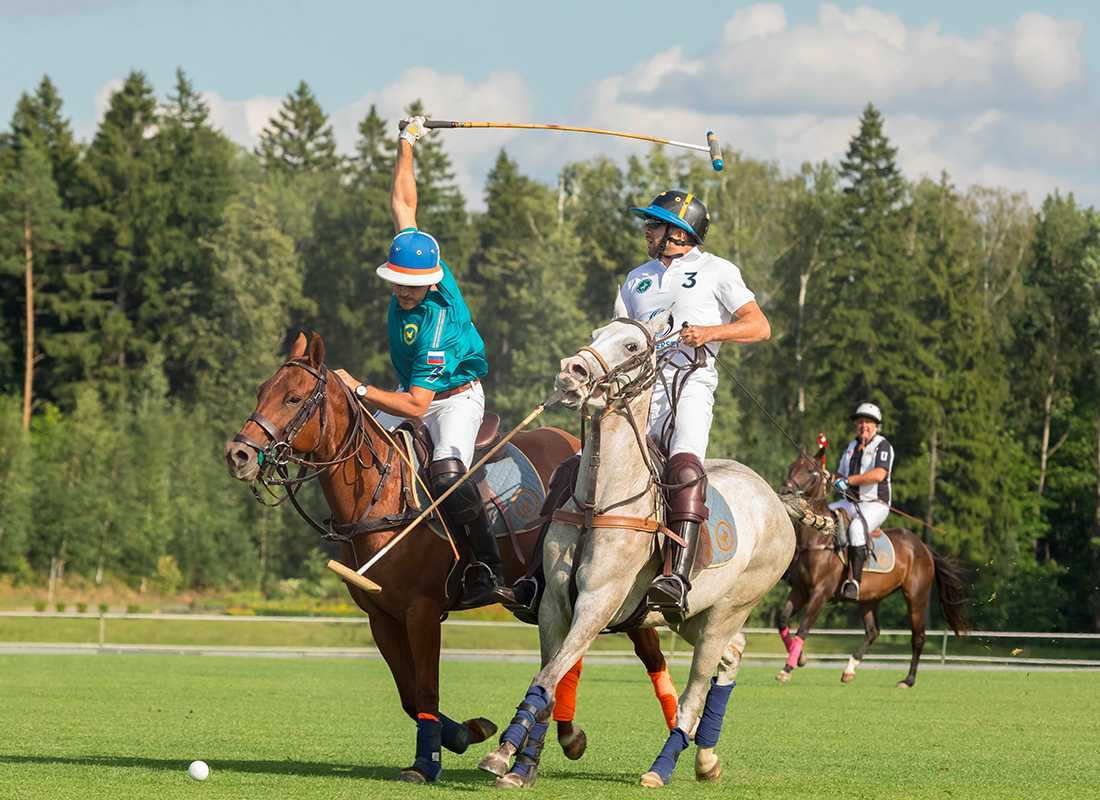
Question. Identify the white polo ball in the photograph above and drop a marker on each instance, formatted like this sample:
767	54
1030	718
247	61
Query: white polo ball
198	770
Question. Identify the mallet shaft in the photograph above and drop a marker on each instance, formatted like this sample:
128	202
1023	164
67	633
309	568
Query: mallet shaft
441	123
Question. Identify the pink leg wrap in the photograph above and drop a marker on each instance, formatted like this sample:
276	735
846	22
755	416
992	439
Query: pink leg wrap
787	642
666	693
796	651
565	696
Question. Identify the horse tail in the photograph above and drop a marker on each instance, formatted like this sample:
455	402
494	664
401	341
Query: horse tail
952	592
799	511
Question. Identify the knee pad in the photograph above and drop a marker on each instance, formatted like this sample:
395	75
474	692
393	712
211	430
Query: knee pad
463	505
690	503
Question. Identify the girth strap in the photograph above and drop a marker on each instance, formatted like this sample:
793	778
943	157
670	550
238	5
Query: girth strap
577	520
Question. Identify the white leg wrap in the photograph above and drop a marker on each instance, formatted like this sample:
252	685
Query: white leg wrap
851	668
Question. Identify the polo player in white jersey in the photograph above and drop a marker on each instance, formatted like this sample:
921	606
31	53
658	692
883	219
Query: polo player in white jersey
864	475
709	304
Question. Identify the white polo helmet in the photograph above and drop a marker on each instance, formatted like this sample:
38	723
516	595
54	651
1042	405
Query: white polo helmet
870	411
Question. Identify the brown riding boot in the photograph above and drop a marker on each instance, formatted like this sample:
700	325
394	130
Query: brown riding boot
687	511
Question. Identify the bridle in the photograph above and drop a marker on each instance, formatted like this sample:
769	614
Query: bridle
812	490
276	456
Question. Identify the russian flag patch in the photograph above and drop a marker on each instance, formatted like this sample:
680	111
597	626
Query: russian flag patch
435	358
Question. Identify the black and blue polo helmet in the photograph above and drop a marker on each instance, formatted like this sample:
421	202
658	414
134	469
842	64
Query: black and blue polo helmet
679	208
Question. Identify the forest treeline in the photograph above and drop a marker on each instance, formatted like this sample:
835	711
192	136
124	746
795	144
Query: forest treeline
166	269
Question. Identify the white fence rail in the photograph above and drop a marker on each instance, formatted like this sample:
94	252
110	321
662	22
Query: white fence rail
105	646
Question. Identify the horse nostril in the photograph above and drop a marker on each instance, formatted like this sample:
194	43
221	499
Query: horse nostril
579	370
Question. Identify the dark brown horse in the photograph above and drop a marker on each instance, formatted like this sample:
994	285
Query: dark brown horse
817	573
362	476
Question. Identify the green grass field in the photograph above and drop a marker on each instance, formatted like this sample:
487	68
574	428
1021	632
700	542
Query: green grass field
127	727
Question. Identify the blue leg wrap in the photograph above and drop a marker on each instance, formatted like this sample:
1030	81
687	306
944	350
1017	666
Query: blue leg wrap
710	726
456	736
666	761
528	758
428	756
534	702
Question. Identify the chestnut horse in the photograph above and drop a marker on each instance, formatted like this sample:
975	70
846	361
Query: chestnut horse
362	476
817	572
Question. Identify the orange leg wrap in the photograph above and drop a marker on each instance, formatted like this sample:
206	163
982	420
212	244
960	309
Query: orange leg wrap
666	693
565	696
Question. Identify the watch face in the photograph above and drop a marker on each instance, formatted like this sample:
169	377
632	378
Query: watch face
361	390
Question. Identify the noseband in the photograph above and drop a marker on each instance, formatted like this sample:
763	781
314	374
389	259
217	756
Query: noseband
633	387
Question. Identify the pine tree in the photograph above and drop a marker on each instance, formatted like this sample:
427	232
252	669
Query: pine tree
297	139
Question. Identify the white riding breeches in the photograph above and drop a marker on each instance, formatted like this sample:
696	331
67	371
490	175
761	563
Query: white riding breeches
694	415
873	513
453	424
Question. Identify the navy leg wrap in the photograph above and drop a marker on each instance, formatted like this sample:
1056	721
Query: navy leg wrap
666	761
710	726
528	758
456	736
535	701
428	755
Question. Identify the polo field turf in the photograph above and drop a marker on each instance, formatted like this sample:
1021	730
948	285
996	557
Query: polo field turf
127	726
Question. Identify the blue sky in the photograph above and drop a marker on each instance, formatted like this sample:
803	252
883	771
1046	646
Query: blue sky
996	93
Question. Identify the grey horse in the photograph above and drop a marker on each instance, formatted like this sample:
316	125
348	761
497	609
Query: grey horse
602	582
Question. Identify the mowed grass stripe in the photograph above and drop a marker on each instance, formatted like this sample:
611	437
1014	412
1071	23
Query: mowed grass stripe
127	726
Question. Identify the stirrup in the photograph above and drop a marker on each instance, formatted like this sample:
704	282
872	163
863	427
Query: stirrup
668	598
849	590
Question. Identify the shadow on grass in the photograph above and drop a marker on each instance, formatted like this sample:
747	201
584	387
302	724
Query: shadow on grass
310	769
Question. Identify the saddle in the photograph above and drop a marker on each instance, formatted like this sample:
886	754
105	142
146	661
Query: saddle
488	436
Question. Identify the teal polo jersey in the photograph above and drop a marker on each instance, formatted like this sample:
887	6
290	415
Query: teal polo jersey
436	345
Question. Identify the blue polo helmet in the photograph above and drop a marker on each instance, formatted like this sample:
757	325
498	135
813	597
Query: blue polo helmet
679	208
413	260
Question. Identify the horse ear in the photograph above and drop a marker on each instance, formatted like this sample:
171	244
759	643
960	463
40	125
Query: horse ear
299	348
820	452
802	449
316	350
658	322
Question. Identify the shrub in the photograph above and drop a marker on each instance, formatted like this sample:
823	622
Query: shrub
132	608
60	607
39	605
81	607
167	576
102	608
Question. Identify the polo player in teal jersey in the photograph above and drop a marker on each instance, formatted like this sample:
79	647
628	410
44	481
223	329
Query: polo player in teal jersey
439	359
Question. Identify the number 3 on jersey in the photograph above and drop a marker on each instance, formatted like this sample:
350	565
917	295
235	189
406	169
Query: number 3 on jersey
690	280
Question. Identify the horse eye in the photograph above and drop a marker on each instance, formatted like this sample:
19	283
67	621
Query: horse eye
294	400
632	347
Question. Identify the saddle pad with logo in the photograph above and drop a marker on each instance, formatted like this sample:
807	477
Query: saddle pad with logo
718	542
513	479
880	554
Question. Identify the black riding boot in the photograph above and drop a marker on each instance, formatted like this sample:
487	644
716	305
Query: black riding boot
669	595
522	597
687	510
465	510
857	556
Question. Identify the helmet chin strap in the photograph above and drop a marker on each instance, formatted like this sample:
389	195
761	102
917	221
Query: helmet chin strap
665	240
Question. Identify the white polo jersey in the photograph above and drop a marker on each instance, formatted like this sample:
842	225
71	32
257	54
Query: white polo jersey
699	288
878	453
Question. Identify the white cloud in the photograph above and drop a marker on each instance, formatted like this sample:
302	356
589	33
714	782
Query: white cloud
1045	51
102	98
242	120
758	20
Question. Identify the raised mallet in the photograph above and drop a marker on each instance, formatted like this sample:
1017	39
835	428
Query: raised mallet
710	147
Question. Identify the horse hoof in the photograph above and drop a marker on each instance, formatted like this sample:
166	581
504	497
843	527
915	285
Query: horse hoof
783	676
496	763
412	775
652	780
801	659
480	729
903	685
847	677
712	774
509	781
573	744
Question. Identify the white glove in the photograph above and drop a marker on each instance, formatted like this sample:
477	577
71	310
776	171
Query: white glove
413	128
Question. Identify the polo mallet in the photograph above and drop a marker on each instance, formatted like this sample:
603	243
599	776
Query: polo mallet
710	147
356	576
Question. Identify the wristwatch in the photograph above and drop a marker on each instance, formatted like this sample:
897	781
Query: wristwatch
361	391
